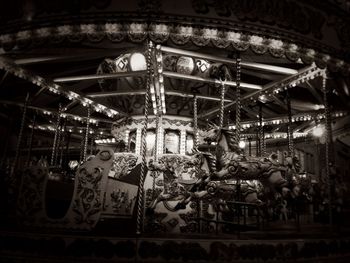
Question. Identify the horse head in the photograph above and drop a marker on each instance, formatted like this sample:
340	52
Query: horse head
273	158
292	163
224	138
211	134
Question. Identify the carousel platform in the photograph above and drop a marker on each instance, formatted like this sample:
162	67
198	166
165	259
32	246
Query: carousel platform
282	242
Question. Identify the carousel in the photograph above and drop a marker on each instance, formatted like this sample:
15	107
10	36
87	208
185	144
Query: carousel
157	131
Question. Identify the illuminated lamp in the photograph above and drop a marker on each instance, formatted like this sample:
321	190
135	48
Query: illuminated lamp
318	107
150	140
318	131
264	98
185	65
241	144
137	62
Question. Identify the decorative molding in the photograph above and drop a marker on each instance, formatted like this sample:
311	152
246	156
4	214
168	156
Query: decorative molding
87	200
30	203
123	164
77	248
180	34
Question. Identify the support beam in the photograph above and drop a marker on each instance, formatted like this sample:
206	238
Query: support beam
284	118
175	75
190	95
266	88
142	92
314	92
73	55
258	74
53	112
258	66
77	87
47	83
303	126
280	102
251	112
3	78
101	76
116	93
69	106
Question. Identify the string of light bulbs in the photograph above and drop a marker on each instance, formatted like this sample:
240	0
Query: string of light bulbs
54	88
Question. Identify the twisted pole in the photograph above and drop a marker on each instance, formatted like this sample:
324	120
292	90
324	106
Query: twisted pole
58	142
87	133
20	135
290	131
195	122
238	113
81	154
328	134
150	72
54	146
238	99
261	132
222	105
31	140
61	146
155	154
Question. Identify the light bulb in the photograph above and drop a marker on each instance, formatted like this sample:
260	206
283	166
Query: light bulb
318	131
241	144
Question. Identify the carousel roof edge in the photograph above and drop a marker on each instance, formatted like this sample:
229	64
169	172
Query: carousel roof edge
313	31
180	34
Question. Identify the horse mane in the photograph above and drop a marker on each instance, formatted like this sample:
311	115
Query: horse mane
211	159
231	140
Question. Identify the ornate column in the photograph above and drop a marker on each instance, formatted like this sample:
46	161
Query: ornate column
160	142
127	140
182	141
138	141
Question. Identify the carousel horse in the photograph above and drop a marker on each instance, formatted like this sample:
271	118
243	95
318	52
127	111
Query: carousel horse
292	169
232	164
185	191
175	188
226	190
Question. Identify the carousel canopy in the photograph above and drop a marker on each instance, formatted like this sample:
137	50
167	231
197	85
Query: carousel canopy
70	57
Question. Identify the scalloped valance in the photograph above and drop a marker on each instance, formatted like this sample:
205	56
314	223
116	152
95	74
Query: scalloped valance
178	34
